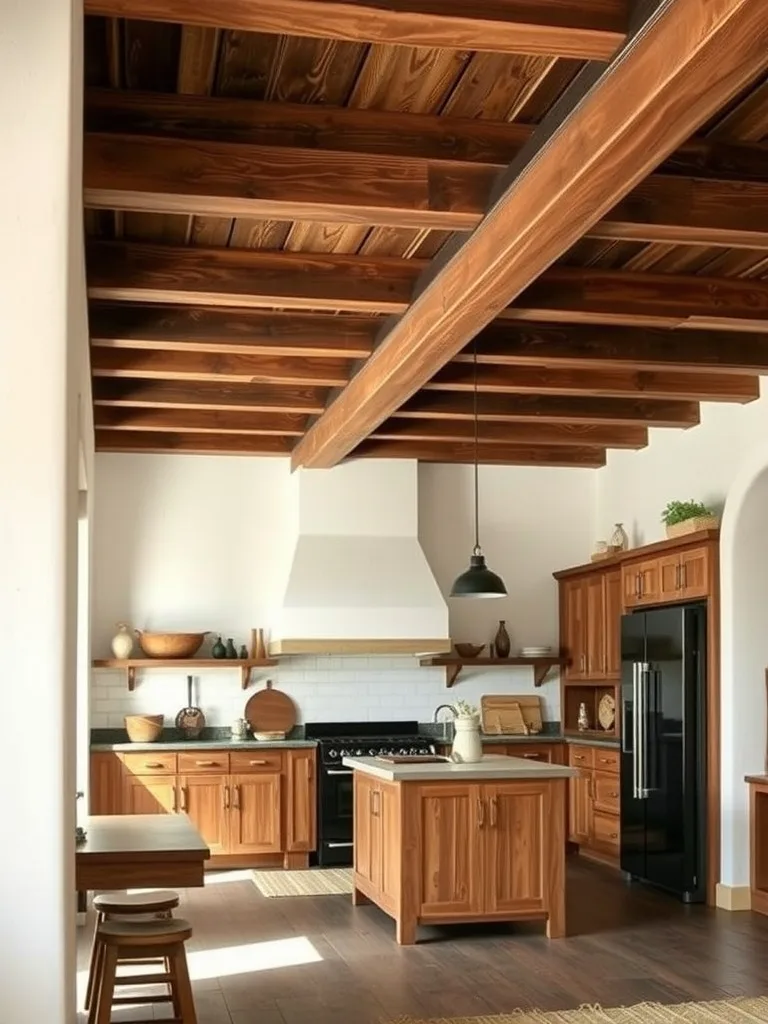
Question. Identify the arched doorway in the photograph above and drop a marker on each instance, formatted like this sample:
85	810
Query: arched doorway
744	657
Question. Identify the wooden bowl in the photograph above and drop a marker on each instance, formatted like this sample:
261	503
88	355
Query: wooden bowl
144	728
468	650
170	645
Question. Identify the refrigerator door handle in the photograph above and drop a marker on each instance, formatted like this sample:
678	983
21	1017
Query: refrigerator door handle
635	731
642	715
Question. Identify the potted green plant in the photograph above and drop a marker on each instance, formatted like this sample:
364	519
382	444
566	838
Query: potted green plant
681	517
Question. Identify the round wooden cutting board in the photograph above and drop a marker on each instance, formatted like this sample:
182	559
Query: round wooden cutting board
270	711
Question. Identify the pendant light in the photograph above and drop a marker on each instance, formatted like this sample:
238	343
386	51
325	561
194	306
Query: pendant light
477	580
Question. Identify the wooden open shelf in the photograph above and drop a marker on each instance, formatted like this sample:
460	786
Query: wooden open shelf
183	664
454	665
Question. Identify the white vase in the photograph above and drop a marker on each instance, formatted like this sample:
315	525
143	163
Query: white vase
467	747
122	642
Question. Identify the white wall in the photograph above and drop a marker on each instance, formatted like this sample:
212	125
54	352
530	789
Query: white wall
42	346
205	543
720	462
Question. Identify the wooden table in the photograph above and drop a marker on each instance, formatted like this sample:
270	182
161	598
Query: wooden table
137	851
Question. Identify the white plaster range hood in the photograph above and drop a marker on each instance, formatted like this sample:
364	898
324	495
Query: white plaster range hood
359	582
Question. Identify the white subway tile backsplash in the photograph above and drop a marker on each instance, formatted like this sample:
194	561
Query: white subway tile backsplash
323	688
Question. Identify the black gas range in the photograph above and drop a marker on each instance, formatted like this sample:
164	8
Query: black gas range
337	740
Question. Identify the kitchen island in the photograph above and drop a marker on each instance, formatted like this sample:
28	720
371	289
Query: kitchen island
441	843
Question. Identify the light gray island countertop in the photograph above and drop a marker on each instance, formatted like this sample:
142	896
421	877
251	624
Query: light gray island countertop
492	766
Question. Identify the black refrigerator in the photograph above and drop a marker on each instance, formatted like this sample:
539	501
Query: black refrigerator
663	770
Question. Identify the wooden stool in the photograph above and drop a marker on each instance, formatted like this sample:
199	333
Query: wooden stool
128	942
122	904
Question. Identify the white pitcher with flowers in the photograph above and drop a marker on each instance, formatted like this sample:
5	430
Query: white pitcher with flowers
467	748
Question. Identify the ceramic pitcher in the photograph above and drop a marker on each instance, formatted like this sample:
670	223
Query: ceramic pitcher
467	747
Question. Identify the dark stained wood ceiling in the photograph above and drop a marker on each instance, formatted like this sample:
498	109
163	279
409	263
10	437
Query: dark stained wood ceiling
261	206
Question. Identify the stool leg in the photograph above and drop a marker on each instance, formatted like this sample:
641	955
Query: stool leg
181	983
93	962
106	985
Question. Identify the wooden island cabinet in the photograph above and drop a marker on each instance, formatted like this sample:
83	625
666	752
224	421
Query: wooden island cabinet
250	806
450	843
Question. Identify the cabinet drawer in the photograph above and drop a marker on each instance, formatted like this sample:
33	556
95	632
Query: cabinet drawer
606	792
605	832
255	761
204	762
535	752
580	757
606	760
162	763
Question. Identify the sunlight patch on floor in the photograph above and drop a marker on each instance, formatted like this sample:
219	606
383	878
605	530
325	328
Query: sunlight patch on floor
218	877
229	960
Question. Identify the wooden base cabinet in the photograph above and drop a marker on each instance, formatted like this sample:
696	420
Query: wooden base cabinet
248	806
594	801
450	852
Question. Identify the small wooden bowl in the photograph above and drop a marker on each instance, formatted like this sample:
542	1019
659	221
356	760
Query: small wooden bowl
469	650
144	728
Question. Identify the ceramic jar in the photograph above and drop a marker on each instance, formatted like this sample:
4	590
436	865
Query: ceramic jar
501	641
122	642
583	719
467	747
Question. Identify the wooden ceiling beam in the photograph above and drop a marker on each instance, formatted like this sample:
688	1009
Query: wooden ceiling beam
193	275
201	421
615	382
165	442
145	272
586	29
251	331
304	126
602	347
678	69
576	295
223	368
224	179
373	132
488	454
436	405
206	395
462	431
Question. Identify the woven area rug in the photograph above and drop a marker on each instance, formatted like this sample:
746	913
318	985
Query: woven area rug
728	1011
316	882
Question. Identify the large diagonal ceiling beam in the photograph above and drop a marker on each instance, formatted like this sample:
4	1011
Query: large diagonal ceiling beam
688	59
590	29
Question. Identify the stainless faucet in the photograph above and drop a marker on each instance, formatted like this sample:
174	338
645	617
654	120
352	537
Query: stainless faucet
444	723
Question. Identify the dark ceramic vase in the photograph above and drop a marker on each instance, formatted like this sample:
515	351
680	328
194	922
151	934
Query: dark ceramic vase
231	650
218	650
502	641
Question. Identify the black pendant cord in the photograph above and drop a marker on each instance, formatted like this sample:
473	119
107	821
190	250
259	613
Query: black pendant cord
477	475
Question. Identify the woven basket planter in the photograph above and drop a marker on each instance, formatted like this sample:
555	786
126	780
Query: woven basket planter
693	526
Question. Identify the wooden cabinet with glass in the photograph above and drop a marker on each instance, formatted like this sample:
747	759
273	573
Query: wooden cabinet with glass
250	806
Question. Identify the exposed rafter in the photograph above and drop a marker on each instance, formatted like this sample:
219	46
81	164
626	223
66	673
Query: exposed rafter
591	29
685	62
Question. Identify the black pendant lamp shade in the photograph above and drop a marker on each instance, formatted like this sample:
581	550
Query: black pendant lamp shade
477	580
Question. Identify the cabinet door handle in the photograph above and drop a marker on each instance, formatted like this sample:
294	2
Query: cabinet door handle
614	835
236	798
375	805
175	800
226	798
583	662
205	764
154	764
614	795
263	760
534	756
605	760
494	811
310	769
183	790
684	575
480	813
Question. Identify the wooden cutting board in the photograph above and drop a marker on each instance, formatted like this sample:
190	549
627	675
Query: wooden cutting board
510	714
270	711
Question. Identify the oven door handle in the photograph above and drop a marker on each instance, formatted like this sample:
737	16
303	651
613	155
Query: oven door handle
338	771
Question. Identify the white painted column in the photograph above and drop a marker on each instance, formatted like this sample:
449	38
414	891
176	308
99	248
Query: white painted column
41	336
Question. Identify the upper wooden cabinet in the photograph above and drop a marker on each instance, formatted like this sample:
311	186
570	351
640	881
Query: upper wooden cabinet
678	575
590	609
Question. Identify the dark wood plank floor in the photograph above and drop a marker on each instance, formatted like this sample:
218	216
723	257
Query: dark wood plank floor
310	960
